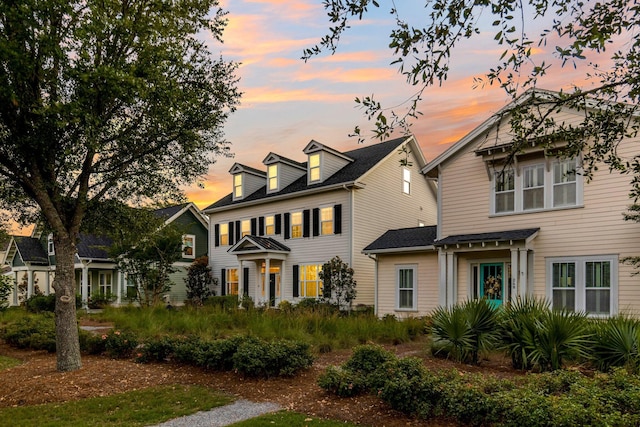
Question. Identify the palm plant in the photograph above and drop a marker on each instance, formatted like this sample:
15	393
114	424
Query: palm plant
617	343
482	320
518	327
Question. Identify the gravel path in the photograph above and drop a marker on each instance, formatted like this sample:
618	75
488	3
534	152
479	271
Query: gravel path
224	415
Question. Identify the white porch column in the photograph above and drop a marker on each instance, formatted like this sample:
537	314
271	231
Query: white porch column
15	289
451	282
119	285
283	281
442	282
267	281
240	281
515	275
522	272
84	291
47	282
29	283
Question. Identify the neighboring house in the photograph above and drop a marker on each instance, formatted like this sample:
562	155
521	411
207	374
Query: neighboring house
272	233
531	226
95	271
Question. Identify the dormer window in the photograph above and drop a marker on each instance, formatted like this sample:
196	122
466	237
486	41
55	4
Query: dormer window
50	247
314	167
237	186
272	177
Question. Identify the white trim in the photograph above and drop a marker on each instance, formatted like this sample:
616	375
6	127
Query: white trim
414	289
186	237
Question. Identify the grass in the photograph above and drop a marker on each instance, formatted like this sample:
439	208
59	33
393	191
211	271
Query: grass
8	362
135	408
293	419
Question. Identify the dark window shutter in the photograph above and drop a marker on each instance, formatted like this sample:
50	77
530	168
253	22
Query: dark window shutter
326	288
231	234
337	219
287	229
254	227
238	231
223	282
296	281
261	226
245	281
316	222
278	220
216	238
306	223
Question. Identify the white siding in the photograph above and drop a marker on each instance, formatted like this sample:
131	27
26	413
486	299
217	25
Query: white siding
288	174
331	164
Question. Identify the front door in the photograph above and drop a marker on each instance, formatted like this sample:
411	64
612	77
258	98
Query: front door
492	283
273	279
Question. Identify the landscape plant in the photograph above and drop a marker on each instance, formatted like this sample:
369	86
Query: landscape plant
6	288
338	284
199	281
616	343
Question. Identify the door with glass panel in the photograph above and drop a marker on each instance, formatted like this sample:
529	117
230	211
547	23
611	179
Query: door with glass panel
492	283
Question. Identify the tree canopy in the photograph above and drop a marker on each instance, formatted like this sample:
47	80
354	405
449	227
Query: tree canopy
578	31
105	100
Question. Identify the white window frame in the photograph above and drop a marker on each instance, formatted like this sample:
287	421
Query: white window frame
270	225
185	239
224	234
51	250
302	281
228	282
299	225
406	181
534	168
237	186
580	280
326	221
563	181
495	192
245	228
273	181
103	287
315	167
414	286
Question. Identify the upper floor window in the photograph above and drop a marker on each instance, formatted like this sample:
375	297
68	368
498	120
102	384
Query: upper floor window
310	283
245	227
50	247
296	224
189	246
504	190
406	181
533	187
272	177
326	220
224	234
269	225
406	287
564	183
314	167
237	186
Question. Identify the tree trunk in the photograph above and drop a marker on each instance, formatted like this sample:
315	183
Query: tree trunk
67	343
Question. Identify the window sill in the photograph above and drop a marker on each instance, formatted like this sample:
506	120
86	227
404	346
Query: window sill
534	211
406	310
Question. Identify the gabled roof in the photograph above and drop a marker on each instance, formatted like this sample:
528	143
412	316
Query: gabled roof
492	237
239	167
364	159
93	247
251	243
30	250
314	146
170	213
275	158
404	240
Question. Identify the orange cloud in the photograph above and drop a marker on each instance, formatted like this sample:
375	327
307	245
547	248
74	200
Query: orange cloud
271	95
348	76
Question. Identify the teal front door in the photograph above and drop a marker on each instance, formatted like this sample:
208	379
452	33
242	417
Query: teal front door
492	283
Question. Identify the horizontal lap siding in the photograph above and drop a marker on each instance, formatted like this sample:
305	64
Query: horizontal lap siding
178	292
382	206
427	283
595	229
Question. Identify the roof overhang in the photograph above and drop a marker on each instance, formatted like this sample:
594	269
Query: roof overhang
258	245
400	250
489	240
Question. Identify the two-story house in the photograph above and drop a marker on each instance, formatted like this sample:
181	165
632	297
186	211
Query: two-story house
32	260
512	224
272	233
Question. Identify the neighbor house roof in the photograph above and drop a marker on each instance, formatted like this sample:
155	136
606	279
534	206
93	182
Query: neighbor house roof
93	247
31	250
403	240
496	236
364	159
169	211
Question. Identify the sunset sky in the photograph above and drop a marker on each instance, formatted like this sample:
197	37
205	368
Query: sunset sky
288	102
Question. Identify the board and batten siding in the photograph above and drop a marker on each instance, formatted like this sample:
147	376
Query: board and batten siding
595	228
382	206
427	283
306	250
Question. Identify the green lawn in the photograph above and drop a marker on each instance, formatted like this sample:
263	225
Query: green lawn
8	362
290	419
135	408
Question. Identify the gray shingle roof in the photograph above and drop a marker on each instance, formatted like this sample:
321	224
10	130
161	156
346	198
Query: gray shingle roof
496	236
264	243
31	250
169	211
404	238
94	247
364	159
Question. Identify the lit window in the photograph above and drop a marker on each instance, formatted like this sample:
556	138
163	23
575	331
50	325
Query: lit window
237	186
406	181
314	167
224	234
326	221
310	283
269	225
296	225
533	187
406	287
189	246
232	281
272	172
245	227
504	191
564	183
584	284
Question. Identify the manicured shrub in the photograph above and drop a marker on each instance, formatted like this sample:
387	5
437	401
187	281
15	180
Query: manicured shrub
267	359
189	350
119	344
406	385
342	382
367	358
218	355
156	350
45	303
91	343
34	332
